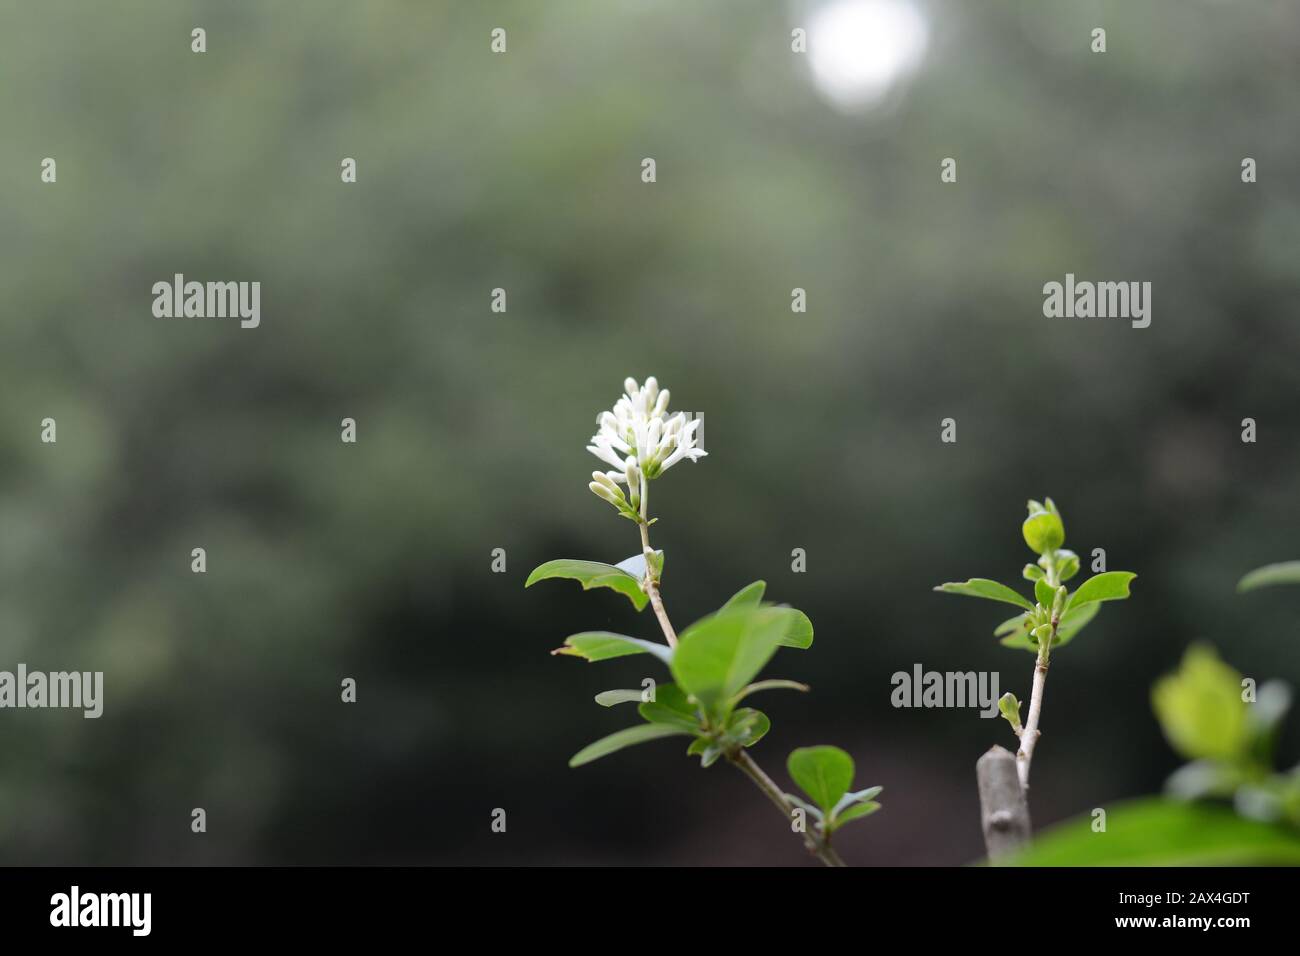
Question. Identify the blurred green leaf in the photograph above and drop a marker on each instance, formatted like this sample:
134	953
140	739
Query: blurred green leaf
1200	707
592	574
769	685
1285	572
605	645
824	773
751	595
797	629
1164	832
984	588
608	698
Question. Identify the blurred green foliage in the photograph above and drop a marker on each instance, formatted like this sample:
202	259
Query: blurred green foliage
1210	714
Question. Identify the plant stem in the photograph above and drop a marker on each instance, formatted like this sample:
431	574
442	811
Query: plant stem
1030	734
652	579
746	765
740	759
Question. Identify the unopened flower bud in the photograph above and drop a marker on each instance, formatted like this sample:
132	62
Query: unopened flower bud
603	478
1010	708
602	491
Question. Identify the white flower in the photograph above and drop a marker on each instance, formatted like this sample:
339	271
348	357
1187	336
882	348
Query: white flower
640	440
639	427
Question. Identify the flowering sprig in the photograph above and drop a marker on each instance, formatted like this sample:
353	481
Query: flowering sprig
714	662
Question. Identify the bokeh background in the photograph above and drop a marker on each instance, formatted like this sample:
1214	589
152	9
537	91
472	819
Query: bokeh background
775	170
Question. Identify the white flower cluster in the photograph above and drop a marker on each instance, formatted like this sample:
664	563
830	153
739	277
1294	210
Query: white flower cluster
641	441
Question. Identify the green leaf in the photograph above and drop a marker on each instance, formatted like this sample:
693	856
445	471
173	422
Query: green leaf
592	574
1014	632
770	685
1043	530
984	588
605	645
1044	593
797	630
1200	707
1012	624
624	738
1285	572
707	749
1067	564
751	595
1074	621
1020	641
747	726
719	655
1032	572
804	805
1107	586
608	698
858	796
824	773
636	565
855	812
670	706
1162	832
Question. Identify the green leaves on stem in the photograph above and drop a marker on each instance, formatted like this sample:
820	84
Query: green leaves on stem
825	774
713	668
714	664
1055	612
